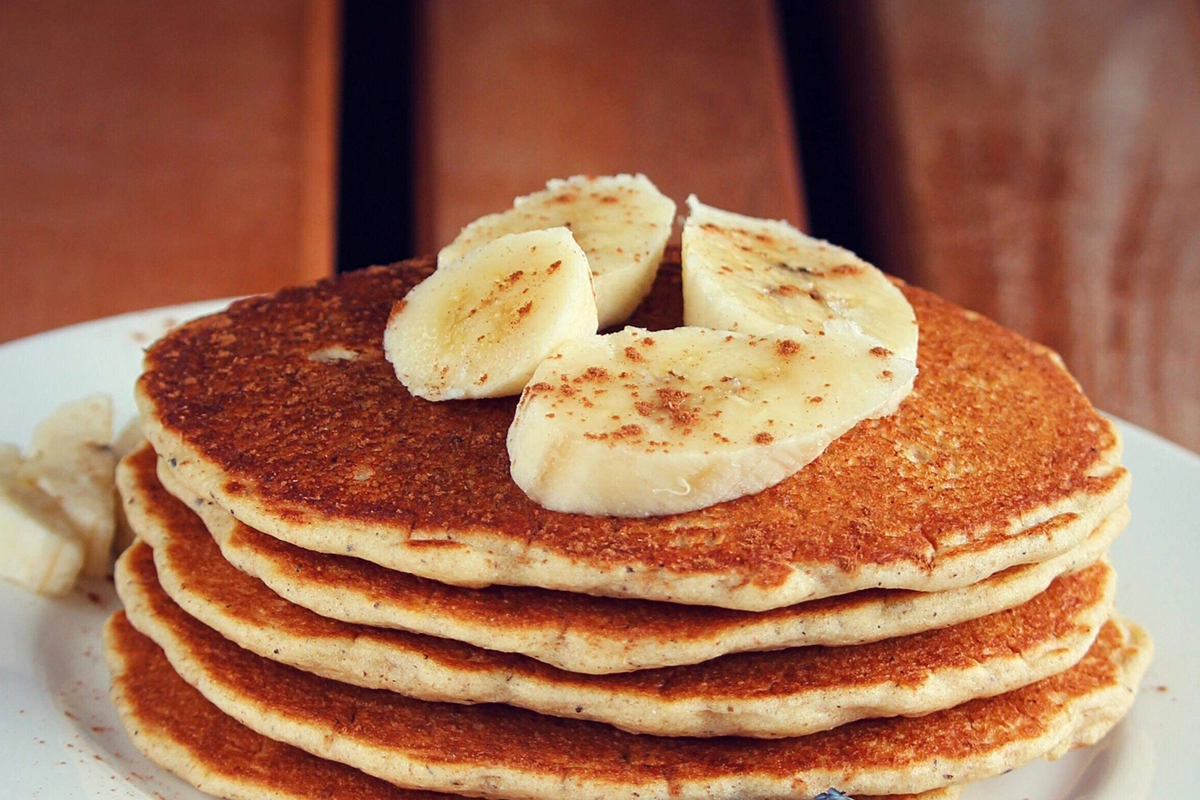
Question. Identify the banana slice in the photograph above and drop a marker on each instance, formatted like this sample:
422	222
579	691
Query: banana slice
71	460
637	424
622	222
760	276
479	326
41	551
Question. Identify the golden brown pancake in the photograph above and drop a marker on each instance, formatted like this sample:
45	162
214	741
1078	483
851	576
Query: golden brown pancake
174	726
782	693
510	752
995	459
581	633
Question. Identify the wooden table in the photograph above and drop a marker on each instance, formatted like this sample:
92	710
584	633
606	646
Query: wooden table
1036	161
1040	162
154	153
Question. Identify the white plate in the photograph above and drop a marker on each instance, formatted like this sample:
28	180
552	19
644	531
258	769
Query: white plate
62	738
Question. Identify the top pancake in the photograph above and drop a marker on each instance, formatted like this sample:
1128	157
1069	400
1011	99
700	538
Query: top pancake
284	411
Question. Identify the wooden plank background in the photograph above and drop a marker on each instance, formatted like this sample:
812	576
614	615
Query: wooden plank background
1034	160
694	94
155	153
1039	162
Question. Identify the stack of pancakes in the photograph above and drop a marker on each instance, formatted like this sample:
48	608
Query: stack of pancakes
338	591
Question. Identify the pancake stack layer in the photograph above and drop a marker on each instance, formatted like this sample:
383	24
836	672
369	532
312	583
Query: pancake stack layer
338	591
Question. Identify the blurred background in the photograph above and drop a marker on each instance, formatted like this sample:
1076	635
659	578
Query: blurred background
1037	161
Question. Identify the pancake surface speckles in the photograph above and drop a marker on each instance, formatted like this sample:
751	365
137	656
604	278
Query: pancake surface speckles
996	459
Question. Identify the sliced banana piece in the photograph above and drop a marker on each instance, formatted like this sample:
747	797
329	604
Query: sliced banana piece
760	276
622	222
478	327
40	549
71	460
636	423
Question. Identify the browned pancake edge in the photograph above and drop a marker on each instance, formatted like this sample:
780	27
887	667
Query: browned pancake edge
780	693
582	633
175	727
505	751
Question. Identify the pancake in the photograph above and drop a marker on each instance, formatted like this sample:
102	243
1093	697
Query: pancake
995	459
175	727
783	693
509	752
580	633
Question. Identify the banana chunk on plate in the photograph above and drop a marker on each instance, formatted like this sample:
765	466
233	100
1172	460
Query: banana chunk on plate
636	423
761	276
71	460
479	326
41	551
622	222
